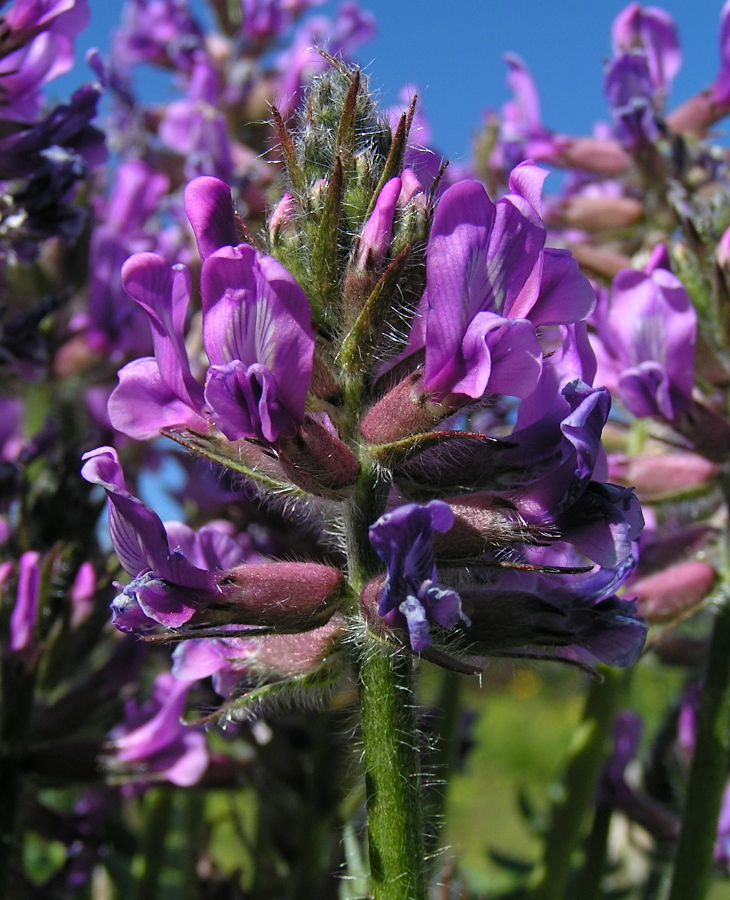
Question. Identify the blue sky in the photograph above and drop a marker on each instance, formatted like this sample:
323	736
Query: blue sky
453	52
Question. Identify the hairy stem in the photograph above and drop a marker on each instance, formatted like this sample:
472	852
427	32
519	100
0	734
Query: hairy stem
393	784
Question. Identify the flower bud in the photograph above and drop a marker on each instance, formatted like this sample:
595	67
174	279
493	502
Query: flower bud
670	593
599	260
601	156
285	596
317	460
405	410
596	213
697	115
653	476
482	522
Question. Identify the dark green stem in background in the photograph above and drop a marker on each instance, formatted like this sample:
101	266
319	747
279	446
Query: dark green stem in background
158	810
587	754
708	775
594	865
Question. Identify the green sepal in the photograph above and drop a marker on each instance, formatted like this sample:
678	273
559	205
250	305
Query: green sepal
249	459
346	129
325	277
394	162
291	160
359	345
283	693
403	450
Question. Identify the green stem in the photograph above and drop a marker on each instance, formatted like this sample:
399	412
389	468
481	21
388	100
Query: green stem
158	811
587	753
393	784
708	775
17	685
589	881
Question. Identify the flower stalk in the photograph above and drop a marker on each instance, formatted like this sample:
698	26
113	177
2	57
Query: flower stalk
708	775
587	753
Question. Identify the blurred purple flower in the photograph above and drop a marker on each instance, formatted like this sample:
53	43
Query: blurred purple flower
630	93
645	336
654	31
156	31
301	62
25	609
720	89
117	326
152	744
194	128
36	46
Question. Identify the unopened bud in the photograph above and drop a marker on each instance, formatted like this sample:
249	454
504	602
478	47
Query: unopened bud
599	260
596	213
697	115
601	156
670	593
317	460
281	220
405	410
482	522
282	655
653	476
285	596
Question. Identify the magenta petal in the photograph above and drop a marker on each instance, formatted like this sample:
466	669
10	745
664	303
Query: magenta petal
209	208
244	402
501	355
163	291
137	533
25	610
565	294
142	403
255	311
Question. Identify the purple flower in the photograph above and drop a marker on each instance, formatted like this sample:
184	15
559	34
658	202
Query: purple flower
720	89
195	129
646	332
117	326
265	20
575	618
654	31
403	538
153	745
25	610
27	18
209	208
66	126
167	588
157	31
258	336
159	391
630	93
257	333
36	46
490	283
522	134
